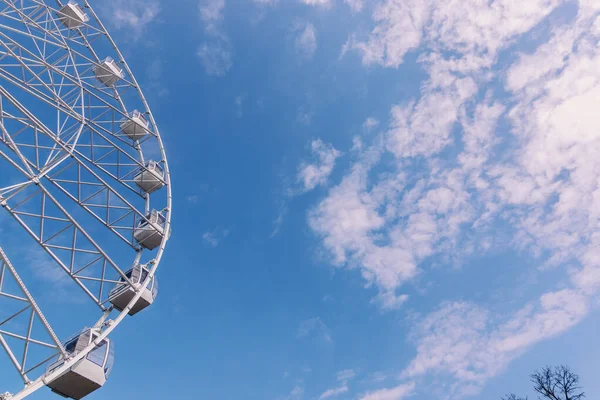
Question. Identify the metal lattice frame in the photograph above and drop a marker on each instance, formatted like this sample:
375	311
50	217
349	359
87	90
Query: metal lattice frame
72	186
29	306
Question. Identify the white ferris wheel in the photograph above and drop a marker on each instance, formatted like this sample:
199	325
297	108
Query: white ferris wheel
84	180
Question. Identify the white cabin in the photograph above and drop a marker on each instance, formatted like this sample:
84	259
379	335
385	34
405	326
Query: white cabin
135	126
108	72
88	374
150	178
150	231
122	294
72	15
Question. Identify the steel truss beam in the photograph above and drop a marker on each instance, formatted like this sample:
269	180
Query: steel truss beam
35	314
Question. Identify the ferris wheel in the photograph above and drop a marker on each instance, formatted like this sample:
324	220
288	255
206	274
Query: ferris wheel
84	176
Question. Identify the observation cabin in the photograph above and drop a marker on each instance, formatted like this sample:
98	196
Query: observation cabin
150	231
108	72
72	16
135	126
150	178
89	373
123	293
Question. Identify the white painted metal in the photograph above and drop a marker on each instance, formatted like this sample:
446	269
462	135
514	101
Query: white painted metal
88	374
122	293
150	232
72	16
108	72
7	270
84	159
135	126
151	177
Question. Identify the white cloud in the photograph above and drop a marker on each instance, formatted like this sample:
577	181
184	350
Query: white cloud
211	12
306	41
355	5
210	239
541	178
423	128
304	117
345	375
295	394
475	28
215	53
334	392
314	326
348	221
397	393
312	175
370	123
399	29
320	3
216	236
239	102
462	340
216	57
131	15
386	231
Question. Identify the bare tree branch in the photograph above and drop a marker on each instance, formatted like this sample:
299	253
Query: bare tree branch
513	396
557	384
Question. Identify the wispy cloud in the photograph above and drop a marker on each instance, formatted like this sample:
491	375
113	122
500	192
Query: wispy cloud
211	13
309	176
355	5
314	326
402	26
192	198
216	57
278	222
304	117
314	174
334	392
134	16
59	287
426	219
345	375
370	123
239	103
296	393
306	40
399	29
266	2
318	3
466	332
154	74
342	377
216	236
386	225
216	52
399	392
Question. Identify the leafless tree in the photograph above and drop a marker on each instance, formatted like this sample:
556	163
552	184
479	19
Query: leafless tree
557	383
513	397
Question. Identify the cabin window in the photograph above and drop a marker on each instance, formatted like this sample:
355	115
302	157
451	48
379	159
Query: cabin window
98	354
71	345
109	361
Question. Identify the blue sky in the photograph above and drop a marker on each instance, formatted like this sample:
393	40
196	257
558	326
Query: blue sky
373	199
